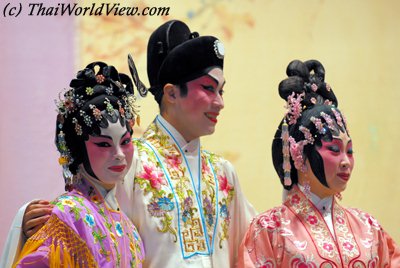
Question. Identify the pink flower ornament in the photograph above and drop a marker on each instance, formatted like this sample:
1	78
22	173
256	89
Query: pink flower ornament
314	87
296	151
294	107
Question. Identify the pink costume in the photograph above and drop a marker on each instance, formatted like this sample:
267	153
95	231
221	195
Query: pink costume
83	231
295	234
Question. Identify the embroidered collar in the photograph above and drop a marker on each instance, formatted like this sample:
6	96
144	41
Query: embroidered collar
339	246
187	147
108	196
324	205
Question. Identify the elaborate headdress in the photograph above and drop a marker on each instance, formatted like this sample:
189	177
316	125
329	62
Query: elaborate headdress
311	115
92	101
176	55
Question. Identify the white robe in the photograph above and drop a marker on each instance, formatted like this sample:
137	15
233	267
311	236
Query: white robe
177	228
15	240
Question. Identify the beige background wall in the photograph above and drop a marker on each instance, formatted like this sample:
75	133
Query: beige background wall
356	40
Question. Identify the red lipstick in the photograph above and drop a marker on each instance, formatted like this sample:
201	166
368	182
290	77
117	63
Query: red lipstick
344	176
212	116
117	168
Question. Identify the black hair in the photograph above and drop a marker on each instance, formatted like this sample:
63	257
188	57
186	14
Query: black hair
176	55
308	80
94	100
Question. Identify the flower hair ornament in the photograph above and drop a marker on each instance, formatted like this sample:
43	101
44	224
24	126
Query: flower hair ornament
295	149
294	107
311	117
91	99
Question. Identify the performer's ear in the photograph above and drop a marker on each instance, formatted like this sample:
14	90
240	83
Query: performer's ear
170	92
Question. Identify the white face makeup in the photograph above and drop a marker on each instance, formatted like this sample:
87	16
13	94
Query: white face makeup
338	160
110	154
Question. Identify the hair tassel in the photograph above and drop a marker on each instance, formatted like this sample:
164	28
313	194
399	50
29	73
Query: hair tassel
286	155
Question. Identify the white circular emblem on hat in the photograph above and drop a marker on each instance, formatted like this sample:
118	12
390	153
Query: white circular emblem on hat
219	49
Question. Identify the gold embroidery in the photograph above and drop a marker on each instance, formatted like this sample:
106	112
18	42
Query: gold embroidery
193	237
169	165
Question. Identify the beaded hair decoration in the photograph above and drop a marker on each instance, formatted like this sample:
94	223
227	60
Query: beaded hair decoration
71	102
295	149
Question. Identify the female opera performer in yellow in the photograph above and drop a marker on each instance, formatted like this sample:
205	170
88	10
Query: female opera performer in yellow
313	156
86	227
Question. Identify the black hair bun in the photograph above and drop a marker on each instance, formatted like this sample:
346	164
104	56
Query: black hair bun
307	78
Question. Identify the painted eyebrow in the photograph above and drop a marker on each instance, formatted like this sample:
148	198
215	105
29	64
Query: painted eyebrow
108	137
338	139
216	81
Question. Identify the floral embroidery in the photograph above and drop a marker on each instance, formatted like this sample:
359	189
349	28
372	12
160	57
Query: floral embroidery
312	220
154	209
299	203
340	220
301	245
166	179
87	206
345	236
264	262
374	262
224	186
295	199
112	235
270	222
68	202
328	247
209	210
204	167
348	246
64	197
367	243
372	221
187	209
152	174
89	220
118	228
173	161
165	204
299	261
224	212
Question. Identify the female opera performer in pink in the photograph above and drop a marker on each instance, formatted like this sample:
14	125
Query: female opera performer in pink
313	156
93	135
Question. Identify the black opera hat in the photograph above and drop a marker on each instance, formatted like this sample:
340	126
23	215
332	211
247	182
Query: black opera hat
175	55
